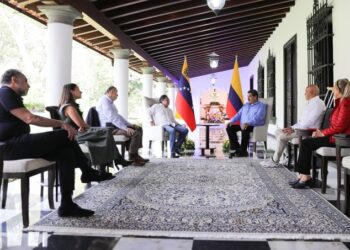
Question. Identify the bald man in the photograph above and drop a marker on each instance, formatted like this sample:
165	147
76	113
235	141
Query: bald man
311	118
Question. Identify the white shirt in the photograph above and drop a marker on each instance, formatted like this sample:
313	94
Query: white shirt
161	115
312	115
108	113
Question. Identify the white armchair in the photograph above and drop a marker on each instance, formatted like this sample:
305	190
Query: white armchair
153	133
260	133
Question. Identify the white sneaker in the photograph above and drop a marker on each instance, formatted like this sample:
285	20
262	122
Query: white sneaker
269	163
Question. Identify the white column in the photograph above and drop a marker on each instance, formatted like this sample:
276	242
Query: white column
147	80
59	49
171	95
121	79
161	86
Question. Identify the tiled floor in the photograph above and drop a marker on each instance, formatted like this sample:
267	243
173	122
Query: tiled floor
12	236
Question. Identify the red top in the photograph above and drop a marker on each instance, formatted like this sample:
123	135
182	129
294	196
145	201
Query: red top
339	122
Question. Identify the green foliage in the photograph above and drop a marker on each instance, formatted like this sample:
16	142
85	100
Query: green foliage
35	107
226	146
22	47
188	145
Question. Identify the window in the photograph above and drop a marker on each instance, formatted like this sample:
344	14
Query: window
271	81
261	81
251	82
320	46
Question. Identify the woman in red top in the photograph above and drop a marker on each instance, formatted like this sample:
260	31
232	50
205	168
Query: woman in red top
339	123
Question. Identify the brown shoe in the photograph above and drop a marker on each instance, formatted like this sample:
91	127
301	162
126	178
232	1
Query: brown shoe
138	163
142	159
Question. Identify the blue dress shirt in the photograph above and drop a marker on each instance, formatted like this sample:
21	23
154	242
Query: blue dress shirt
253	114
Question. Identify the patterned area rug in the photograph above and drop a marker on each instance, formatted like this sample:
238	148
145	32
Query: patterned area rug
210	198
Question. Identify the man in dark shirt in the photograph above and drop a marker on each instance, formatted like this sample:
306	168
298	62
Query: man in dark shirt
58	145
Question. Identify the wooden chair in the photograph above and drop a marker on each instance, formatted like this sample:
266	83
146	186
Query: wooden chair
23	169
341	142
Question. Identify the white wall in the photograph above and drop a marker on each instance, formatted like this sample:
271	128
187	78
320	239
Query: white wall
341	39
295	24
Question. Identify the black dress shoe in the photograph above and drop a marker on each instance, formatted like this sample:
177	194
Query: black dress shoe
178	152
106	176
123	162
173	155
74	211
241	154
302	185
95	176
293	182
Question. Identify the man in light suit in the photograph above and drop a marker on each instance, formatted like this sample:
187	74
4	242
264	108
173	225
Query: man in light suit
161	115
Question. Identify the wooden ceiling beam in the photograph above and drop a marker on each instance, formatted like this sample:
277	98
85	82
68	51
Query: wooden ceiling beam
232	27
91	36
213	38
194	72
84	30
101	41
201	21
220	32
204	64
193	8
212	44
79	23
97	37
220	49
106	5
204	60
145	7
204	53
206	27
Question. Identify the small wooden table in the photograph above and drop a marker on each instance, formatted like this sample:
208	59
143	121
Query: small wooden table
207	126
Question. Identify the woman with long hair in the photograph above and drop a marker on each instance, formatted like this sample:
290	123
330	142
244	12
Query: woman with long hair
100	141
339	123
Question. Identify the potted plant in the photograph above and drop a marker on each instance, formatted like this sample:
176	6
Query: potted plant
226	147
188	147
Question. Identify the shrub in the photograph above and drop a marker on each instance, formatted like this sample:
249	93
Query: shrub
35	107
188	144
226	146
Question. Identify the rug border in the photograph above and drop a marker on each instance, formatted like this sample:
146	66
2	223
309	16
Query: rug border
185	234
190	234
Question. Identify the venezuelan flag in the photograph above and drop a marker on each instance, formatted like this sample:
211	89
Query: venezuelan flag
235	96
183	103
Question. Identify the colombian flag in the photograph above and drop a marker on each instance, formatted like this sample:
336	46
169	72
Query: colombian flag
235	96
183	103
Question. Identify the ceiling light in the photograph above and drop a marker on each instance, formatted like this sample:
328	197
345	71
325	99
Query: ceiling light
213	60
216	5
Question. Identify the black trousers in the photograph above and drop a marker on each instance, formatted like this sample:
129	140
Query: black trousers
309	145
232	135
52	146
